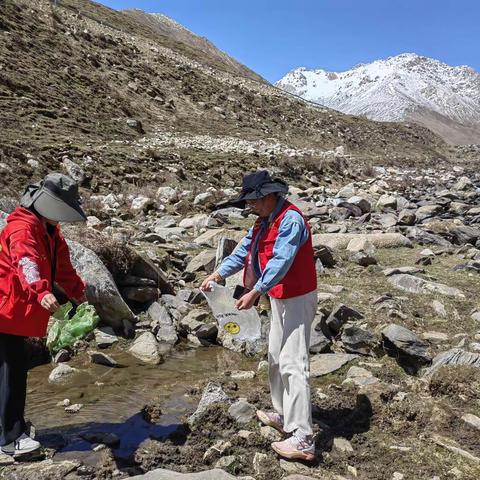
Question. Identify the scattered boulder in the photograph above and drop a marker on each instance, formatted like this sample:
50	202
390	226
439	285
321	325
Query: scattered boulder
213	393
340	315
455	356
358	340
242	411
412	284
402	344
102	291
338	241
145	348
326	363
103	359
105	337
61	373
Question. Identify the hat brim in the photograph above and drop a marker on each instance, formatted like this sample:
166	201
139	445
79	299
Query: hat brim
52	208
273	187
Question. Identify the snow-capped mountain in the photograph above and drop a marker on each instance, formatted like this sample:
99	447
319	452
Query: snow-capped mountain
406	87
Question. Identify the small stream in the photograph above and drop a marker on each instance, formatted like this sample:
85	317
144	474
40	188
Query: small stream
114	397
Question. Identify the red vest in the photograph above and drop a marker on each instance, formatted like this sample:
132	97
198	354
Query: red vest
301	277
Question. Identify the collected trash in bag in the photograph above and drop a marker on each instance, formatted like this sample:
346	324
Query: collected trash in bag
241	324
67	330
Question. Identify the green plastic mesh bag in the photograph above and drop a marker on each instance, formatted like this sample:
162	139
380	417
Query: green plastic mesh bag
65	331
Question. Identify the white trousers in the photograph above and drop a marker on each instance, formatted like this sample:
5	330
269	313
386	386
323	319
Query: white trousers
288	360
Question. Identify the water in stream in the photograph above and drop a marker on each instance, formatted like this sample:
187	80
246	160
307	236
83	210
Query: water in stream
113	397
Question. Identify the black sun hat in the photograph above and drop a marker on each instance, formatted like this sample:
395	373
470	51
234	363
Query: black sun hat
55	198
258	185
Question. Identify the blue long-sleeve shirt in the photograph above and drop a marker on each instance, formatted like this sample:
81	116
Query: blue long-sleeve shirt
292	234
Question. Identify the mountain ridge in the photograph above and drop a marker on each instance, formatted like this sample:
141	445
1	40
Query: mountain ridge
406	87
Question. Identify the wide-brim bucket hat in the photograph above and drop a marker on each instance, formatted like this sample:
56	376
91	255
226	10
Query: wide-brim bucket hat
257	185
55	198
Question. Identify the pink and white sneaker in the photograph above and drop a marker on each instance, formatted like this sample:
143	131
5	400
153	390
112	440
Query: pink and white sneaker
271	419
296	447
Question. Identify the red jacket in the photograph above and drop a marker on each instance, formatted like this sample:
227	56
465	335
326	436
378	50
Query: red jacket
301	277
26	258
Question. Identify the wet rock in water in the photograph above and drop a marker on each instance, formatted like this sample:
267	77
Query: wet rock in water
455	356
75	408
145	348
105	337
403	345
204	261
213	393
62	356
360	377
412	284
162	324
242	411
325	363
101	291
340	315
61	373
109	439
358	340
102	359
44	470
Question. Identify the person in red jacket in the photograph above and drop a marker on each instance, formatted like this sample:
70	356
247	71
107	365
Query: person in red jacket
277	259
33	256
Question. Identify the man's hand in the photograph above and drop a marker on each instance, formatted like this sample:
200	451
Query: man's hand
214	277
49	302
246	301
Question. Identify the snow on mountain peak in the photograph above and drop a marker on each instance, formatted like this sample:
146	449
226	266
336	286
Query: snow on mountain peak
393	89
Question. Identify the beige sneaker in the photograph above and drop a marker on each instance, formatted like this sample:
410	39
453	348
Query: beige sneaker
296	447
271	419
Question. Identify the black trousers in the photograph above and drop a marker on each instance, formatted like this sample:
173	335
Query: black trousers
13	387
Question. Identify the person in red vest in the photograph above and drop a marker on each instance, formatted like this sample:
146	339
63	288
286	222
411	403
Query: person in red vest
277	259
33	255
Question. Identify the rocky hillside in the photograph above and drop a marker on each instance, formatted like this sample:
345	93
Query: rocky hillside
407	87
132	103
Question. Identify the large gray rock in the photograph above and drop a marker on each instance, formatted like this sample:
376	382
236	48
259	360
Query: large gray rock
61	373
326	363
455	356
105	337
422	237
145	348
358	340
162	474
402	344
242	411
205	261
213	393
162	324
45	470
412	284
144	267
102	291
339	316
338	241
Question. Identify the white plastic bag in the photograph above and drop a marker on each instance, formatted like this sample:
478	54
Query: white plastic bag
241	324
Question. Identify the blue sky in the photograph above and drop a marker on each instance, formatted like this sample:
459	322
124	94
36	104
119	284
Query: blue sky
273	37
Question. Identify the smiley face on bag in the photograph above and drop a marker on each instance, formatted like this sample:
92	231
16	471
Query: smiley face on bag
232	328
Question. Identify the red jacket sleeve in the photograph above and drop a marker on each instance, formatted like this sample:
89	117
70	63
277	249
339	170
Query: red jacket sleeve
31	263
65	275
